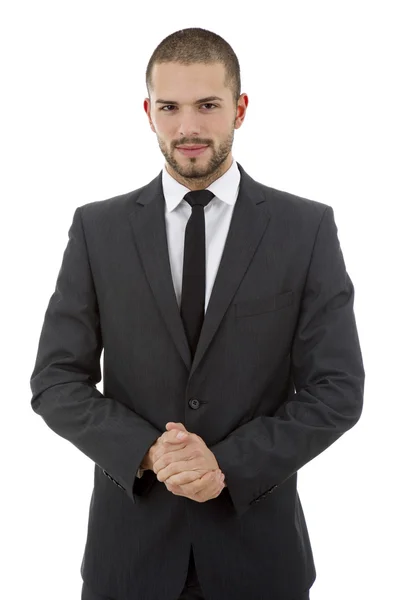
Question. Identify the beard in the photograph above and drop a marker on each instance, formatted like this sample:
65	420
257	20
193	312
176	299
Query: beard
192	169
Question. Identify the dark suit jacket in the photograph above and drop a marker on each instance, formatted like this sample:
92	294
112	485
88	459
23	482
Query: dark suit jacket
277	377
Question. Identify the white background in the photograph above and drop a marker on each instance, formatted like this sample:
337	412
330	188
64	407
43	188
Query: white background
322	122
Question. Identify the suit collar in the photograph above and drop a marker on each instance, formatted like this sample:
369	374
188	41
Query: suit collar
225	188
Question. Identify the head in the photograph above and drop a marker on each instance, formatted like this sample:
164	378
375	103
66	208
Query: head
193	85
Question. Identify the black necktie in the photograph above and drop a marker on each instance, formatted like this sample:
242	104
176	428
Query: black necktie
194	267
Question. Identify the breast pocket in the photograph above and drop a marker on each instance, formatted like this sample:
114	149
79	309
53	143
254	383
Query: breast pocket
257	306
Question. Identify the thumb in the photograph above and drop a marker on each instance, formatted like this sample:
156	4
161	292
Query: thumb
171	425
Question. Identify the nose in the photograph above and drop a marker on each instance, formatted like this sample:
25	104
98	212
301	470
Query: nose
189	126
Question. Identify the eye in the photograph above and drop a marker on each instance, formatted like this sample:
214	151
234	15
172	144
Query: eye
173	106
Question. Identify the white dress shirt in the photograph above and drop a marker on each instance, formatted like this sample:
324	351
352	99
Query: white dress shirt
217	216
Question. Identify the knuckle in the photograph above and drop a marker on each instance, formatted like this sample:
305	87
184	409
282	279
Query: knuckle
165	473
200	497
178	479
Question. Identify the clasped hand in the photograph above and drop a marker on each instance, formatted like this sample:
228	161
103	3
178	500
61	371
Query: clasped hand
186	466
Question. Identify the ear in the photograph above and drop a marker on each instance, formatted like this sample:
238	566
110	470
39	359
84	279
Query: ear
146	106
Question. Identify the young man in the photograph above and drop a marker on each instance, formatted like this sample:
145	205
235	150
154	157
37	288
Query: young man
225	312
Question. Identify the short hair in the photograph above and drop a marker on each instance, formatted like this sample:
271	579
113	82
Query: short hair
197	45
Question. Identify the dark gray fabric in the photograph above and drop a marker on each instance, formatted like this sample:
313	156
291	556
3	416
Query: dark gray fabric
89	594
277	378
191	591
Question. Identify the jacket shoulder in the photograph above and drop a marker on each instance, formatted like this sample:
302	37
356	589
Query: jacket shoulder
295	213
110	206
287	202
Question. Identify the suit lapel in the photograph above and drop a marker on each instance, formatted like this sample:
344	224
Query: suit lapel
148	224
249	221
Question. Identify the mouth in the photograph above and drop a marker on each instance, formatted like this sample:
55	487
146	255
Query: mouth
192	150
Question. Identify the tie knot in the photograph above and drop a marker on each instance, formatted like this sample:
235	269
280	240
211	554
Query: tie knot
199	197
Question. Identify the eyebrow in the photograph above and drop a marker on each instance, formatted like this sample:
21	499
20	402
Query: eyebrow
201	101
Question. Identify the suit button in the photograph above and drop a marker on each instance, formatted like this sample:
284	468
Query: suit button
194	403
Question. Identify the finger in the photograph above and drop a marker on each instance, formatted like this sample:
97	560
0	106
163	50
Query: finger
176	454
172	425
199	484
160	459
175	489
209	487
184	477
173	468
213	487
217	484
217	489
171	437
190	489
162	449
220	485
181	490
208	490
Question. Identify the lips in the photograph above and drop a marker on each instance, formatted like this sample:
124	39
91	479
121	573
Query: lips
191	147
192	150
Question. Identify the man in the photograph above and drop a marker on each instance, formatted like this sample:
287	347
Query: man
225	312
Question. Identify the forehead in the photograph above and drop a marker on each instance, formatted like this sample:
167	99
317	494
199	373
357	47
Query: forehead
172	78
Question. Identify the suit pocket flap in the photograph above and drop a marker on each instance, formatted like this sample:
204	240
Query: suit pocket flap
260	305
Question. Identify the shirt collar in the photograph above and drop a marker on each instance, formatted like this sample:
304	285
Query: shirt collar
225	187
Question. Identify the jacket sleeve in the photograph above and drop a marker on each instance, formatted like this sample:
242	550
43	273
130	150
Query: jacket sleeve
66	371
328	375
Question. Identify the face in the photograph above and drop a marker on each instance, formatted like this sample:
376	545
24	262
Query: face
189	105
